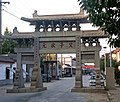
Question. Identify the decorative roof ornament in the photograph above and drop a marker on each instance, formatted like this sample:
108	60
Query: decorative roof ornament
81	11
35	13
15	30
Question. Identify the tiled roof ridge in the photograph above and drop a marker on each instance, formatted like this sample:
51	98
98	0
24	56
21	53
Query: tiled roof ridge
81	13
75	14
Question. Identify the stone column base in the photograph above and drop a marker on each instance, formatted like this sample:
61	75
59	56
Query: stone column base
88	90
26	90
76	89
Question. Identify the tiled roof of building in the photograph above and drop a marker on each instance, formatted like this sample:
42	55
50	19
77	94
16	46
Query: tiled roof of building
6	58
115	51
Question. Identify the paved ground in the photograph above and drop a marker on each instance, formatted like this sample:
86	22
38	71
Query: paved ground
114	95
58	91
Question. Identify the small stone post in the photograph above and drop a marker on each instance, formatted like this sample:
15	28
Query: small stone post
110	80
19	81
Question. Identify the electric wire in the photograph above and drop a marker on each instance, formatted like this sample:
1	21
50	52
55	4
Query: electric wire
16	9
13	16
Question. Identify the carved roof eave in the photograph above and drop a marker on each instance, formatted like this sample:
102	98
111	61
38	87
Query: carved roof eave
21	35
85	33
62	17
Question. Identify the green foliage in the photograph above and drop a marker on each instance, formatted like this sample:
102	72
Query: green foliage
105	14
107	61
7	44
114	64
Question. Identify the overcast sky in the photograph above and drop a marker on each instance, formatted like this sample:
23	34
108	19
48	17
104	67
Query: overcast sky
12	13
25	8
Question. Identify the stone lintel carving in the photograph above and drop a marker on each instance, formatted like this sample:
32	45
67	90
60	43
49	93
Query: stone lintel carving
93	33
88	56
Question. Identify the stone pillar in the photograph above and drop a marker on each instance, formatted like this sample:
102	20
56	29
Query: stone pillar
110	80
78	77
97	60
28	66
36	80
57	71
19	81
97	68
52	69
45	67
57	68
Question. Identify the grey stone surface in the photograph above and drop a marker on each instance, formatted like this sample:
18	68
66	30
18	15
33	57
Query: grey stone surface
114	95
57	91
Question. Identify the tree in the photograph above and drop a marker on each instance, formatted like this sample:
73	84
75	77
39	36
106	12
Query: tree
105	14
7	44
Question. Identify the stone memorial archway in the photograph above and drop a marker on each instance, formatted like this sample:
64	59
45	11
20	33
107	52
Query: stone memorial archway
55	34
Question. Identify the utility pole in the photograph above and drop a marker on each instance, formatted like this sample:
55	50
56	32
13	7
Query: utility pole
1	23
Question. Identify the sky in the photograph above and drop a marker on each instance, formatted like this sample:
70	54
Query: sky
25	8
12	13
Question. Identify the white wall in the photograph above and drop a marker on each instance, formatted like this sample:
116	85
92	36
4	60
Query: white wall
3	70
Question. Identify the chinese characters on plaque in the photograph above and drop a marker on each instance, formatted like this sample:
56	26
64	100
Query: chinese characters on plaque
57	45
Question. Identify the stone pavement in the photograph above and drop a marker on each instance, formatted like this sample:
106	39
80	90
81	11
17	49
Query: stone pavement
58	89
114	95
